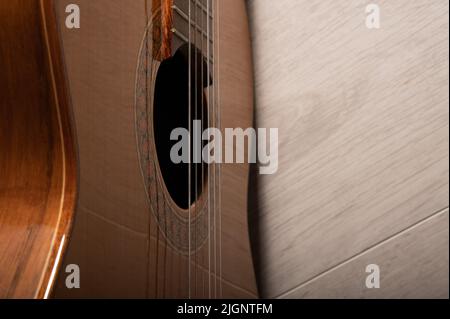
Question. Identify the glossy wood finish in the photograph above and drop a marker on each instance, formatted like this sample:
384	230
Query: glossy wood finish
162	20
363	119
116	242
37	158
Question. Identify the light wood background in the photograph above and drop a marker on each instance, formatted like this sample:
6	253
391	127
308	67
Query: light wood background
363	167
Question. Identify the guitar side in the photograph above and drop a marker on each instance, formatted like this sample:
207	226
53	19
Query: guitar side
37	156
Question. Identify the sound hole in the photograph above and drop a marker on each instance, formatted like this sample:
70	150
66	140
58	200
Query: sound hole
172	110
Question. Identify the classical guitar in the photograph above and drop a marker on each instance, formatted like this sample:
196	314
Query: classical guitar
87	116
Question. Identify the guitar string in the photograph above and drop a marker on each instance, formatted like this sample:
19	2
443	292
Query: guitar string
161	36
216	43
215	164
146	106
180	255
212	167
218	203
220	128
189	152
199	92
195	163
208	110
211	221
158	203
202	118
209	118
209	166
169	14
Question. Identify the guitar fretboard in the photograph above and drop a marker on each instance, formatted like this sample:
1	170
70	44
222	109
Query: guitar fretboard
199	15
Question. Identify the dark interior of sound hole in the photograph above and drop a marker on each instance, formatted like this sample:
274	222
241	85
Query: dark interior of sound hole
171	110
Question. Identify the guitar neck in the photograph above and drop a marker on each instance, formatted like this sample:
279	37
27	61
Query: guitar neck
176	22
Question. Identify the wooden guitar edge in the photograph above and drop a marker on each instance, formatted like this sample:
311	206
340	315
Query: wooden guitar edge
63	107
38	159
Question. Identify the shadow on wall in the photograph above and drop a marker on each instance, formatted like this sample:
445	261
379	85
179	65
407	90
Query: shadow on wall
253	210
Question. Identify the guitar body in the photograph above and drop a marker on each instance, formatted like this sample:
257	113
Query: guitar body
130	237
84	113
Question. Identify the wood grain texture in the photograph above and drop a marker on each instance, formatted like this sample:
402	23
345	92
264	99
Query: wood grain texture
37	152
363	126
121	251
415	260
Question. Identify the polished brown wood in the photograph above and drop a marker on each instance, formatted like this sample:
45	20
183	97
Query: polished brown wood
37	154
